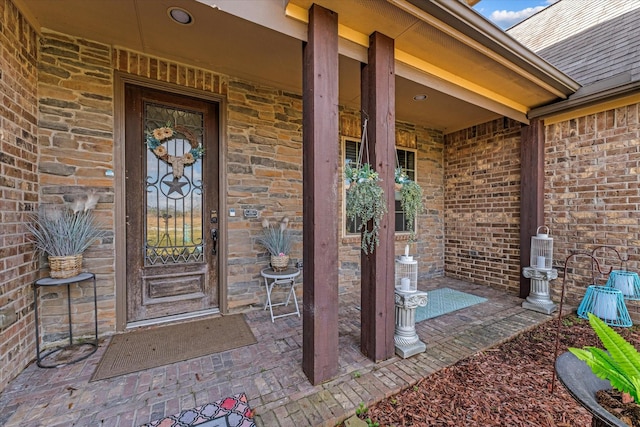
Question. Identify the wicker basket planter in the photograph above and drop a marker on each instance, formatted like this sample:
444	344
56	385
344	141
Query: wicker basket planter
64	232
62	267
277	240
279	262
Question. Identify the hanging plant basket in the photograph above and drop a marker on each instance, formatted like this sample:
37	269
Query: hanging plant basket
365	201
412	205
400	177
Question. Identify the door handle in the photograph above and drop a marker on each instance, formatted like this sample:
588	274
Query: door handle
214	238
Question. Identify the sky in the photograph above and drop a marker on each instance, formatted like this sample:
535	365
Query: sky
506	13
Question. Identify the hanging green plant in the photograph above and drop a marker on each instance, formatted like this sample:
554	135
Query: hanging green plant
365	202
412	205
354	174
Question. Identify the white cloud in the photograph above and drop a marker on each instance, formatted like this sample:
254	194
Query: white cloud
508	18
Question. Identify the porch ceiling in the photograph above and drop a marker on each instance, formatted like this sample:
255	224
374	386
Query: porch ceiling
465	81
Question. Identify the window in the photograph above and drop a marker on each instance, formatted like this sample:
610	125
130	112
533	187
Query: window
406	160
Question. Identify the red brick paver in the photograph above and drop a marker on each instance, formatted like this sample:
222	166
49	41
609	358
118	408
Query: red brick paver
269	372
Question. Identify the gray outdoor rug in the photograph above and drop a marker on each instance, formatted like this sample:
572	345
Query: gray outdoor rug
444	300
162	345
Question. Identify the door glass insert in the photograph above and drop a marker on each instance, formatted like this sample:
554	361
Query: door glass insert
174	186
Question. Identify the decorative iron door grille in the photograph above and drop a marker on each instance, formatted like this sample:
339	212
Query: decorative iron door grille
174	210
172	197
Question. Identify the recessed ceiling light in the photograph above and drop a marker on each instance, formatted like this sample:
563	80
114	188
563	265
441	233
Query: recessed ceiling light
420	97
180	16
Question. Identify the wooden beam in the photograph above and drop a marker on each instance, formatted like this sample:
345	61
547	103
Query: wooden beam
531	192
377	286
320	197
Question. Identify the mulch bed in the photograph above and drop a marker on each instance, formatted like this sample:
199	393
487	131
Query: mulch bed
615	403
508	385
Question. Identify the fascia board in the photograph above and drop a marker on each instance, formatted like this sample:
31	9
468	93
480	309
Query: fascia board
469	27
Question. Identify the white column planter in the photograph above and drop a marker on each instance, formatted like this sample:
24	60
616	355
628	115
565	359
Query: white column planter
405	337
539	298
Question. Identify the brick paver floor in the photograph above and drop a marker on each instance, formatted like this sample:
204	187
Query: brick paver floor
269	372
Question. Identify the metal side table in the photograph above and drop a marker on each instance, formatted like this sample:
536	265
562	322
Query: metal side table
287	278
48	281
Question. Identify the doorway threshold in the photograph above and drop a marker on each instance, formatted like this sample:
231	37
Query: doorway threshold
172	319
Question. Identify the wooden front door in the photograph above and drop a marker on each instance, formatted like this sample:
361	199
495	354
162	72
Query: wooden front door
171	204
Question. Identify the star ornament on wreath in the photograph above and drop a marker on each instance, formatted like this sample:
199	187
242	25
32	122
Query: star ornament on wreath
157	137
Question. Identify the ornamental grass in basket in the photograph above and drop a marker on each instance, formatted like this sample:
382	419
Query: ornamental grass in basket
277	241
63	233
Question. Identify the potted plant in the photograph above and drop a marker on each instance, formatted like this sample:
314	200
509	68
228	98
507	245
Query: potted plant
277	241
365	202
63	233
619	366
410	200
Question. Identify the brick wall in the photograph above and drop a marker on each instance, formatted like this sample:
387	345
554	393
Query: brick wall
592	193
591	199
18	188
482	205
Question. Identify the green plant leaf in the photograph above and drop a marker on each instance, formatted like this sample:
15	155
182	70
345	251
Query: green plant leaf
622	352
603	367
620	364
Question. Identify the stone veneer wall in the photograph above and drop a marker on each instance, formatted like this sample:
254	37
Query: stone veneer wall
593	193
75	140
482	205
264	172
18	188
75	143
431	224
264	164
264	168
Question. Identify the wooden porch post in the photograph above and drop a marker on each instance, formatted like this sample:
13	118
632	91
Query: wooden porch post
320	196
377	283
531	192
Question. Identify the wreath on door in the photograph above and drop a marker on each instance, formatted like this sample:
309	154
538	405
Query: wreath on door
158	136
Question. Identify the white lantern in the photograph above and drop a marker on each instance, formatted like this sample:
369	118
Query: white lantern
541	249
406	274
